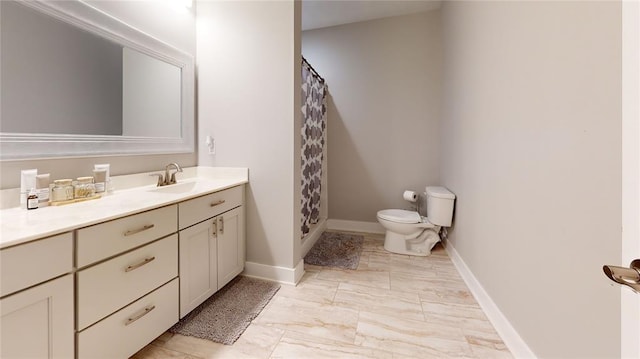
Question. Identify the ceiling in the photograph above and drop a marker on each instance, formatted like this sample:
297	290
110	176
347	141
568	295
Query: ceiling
324	13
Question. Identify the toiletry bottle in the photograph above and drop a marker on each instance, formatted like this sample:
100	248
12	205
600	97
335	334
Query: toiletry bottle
32	199
42	189
27	182
100	179
107	182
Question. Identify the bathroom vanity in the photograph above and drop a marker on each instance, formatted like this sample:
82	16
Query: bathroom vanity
104	278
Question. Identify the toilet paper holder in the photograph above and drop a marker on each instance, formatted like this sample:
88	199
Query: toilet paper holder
410	196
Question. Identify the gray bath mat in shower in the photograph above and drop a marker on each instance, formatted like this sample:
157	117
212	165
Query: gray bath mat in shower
335	249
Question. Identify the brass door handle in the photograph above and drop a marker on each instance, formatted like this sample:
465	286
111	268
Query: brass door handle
138	265
625	276
140	315
217	203
136	231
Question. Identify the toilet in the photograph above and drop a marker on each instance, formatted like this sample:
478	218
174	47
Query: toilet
409	233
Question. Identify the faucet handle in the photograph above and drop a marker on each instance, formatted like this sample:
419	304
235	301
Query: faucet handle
160	179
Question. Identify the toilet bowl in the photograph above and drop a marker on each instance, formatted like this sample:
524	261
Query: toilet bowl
407	232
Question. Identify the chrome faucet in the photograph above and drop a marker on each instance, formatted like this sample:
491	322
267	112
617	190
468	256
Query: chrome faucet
172	179
168	178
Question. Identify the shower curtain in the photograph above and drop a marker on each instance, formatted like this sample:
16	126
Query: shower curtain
314	119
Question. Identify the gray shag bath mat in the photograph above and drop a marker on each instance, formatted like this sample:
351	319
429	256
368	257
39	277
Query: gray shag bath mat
335	249
225	315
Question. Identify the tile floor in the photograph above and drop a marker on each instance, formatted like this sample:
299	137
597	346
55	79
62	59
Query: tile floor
392	306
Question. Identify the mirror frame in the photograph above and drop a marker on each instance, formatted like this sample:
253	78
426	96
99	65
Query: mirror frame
26	146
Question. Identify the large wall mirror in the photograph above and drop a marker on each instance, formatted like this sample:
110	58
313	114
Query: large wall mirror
75	81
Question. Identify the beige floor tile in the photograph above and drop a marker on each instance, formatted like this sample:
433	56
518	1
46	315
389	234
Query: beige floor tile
422	268
310	289
374	244
392	306
311	269
448	296
382	301
410	337
156	352
406	282
375	261
454	310
297	345
369	278
256	342
322	320
488	353
447	272
197	347
458	322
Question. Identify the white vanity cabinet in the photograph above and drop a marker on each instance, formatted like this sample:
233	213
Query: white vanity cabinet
231	242
212	244
107	277
127	292
36	309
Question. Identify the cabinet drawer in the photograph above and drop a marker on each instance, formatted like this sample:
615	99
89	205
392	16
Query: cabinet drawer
28	264
108	286
107	239
198	209
131	328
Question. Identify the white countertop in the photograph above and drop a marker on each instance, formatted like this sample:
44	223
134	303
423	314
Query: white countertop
132	194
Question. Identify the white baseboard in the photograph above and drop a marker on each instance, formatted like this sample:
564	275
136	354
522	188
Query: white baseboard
312	237
355	226
274	273
510	336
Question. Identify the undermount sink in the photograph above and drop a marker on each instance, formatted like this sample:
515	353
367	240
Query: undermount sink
183	187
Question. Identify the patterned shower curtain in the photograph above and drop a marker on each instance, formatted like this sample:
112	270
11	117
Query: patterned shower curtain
314	123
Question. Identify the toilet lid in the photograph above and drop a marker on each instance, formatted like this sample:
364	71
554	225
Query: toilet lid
400	216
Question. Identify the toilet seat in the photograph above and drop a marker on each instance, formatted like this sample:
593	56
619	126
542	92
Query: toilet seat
400	216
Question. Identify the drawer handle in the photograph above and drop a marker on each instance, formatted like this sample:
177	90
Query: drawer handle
135	231
135	266
217	203
140	315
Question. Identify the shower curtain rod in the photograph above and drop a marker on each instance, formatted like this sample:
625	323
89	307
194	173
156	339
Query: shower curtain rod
313	71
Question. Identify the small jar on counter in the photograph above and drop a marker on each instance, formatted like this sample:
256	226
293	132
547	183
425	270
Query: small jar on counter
84	188
62	190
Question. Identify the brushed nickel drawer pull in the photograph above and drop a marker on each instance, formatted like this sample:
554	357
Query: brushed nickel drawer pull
217	203
135	266
142	314
135	231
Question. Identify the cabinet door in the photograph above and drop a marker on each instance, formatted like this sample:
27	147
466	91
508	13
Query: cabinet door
198	265
38	322
231	240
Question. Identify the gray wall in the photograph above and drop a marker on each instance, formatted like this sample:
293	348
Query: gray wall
39	54
384	79
163	20
531	145
249	101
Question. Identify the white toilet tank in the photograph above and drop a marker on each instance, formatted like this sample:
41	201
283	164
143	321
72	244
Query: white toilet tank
440	205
